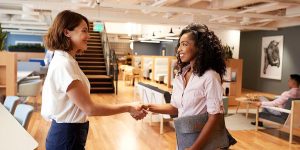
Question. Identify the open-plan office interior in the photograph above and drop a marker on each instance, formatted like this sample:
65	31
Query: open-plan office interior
133	57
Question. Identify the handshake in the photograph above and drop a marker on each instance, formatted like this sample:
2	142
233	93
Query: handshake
138	112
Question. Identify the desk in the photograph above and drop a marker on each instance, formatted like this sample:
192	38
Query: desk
248	101
22	75
12	135
152	95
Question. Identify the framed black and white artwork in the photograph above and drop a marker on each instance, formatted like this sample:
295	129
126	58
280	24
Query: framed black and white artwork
271	57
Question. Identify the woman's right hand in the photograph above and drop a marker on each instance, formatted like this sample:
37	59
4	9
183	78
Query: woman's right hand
137	112
146	107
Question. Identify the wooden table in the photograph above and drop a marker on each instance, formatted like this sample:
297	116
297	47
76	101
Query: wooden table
245	100
12	135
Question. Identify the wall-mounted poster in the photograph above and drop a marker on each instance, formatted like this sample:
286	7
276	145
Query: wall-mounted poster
271	57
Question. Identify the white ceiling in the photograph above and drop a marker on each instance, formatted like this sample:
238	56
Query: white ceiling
35	16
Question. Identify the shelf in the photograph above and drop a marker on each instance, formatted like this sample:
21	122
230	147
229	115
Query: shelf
2	86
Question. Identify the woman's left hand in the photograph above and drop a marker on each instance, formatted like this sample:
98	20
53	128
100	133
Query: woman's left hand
137	112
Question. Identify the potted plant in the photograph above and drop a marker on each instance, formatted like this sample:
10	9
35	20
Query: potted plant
227	51
37	48
3	36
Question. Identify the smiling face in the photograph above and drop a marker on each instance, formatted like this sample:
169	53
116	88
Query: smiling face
79	37
187	50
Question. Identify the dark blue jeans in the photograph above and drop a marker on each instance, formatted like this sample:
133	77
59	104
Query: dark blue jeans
67	136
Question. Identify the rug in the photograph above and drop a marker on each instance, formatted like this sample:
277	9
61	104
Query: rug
239	121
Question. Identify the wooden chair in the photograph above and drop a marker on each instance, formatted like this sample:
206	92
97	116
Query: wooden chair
131	74
288	118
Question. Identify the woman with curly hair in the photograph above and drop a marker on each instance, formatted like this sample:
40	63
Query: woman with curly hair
197	91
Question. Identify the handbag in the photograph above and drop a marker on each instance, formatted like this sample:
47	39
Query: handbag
188	129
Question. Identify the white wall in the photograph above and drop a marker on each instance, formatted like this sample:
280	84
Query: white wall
123	28
229	37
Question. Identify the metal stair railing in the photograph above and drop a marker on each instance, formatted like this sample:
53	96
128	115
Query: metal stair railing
110	58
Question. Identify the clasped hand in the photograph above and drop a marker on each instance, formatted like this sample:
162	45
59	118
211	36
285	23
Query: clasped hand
138	112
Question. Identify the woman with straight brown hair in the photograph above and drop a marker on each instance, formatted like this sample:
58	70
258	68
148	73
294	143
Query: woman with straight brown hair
66	92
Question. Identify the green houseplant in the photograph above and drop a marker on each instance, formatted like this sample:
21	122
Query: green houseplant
38	48
3	36
227	51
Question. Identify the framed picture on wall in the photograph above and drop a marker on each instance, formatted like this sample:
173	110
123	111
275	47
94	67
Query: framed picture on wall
271	57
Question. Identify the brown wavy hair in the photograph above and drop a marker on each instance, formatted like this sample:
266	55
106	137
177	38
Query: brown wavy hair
210	52
55	39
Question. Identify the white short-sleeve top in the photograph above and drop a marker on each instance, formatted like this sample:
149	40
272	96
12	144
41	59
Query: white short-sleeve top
201	94
56	104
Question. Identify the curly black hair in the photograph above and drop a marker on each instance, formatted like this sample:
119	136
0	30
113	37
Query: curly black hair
210	52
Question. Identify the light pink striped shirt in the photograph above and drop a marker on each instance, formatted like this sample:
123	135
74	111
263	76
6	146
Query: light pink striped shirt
201	94
280	101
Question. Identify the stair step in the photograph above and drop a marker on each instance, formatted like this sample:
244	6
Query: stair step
85	66
102	90
101	83
92	46
91	63
99	71
94	72
98	76
84	57
93	67
101	61
92	54
81	58
94	43
95	37
98	40
94	50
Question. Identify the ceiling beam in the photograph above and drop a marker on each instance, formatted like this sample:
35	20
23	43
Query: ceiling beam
52	5
191	2
229	4
266	7
186	10
49	5
23	22
146	19
171	2
5	26
286	1
17	12
290	23
25	32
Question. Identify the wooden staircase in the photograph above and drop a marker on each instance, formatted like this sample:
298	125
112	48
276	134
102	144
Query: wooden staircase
92	63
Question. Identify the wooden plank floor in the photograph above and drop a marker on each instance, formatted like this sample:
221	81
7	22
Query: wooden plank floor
121	132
